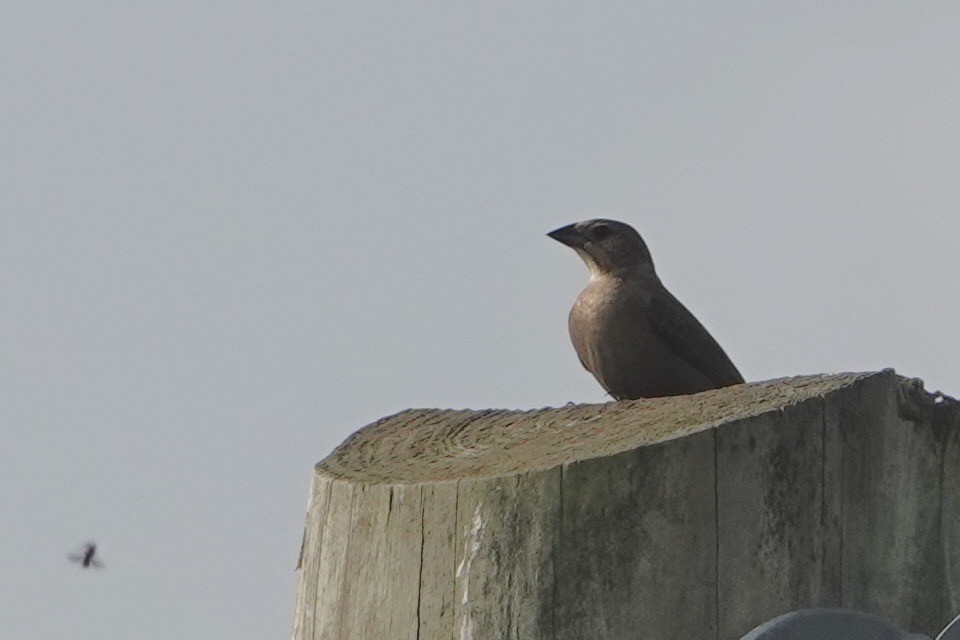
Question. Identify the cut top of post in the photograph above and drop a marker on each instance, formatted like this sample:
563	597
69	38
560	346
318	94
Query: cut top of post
434	445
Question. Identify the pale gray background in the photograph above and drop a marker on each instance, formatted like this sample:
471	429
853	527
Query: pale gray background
231	233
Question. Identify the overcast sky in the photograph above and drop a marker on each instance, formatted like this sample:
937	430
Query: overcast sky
232	233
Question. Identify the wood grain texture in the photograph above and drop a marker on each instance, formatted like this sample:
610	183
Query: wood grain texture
774	523
333	546
309	564
438	562
506	540
696	516
891	500
431	445
950	524
638	544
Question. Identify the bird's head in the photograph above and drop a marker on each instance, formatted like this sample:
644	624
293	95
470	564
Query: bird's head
607	246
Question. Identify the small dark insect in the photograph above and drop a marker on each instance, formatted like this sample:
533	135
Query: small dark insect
86	558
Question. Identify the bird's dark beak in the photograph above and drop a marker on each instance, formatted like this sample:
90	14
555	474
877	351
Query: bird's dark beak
569	236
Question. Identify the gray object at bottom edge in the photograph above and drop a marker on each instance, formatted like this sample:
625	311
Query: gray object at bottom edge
837	624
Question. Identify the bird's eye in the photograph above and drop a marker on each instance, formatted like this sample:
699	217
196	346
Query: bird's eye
601	231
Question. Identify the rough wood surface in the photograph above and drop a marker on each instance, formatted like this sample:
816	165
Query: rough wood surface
697	516
771	478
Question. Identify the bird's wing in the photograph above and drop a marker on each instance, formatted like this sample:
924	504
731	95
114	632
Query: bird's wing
684	335
74	557
96	563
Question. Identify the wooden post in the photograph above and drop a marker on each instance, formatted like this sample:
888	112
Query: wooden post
689	517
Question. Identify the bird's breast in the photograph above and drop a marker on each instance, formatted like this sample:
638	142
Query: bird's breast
598	322
612	333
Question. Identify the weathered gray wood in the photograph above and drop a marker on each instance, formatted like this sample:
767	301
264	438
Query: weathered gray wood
309	564
382	573
697	516
402	581
638	542
438	566
950	524
506	540
831	515
333	543
774	525
891	500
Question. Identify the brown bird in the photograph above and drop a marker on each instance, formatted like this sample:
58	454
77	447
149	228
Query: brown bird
636	339
86	558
